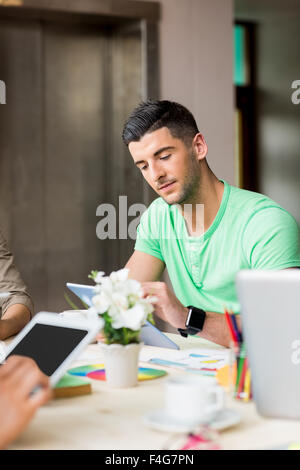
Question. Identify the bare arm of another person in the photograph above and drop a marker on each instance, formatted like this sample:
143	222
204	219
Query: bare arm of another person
14	319
19	376
17	309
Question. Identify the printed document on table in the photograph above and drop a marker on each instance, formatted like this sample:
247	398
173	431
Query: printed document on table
191	360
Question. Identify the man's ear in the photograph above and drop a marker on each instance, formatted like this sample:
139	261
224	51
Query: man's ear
200	146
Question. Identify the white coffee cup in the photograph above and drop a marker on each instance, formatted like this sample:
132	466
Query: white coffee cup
193	399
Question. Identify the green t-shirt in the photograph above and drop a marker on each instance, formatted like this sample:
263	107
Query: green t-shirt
250	231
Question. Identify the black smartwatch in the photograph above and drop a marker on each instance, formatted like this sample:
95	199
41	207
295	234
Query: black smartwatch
194	321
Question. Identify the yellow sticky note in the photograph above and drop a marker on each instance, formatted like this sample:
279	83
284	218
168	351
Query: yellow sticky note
224	373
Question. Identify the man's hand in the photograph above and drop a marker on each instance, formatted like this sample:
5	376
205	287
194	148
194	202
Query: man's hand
167	306
19	376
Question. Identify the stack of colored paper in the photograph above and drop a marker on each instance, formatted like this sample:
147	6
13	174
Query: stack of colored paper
198	361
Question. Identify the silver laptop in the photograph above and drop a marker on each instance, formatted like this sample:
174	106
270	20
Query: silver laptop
270	309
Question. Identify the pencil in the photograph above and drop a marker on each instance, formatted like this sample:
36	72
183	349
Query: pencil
231	329
235	326
240	364
242	379
247	385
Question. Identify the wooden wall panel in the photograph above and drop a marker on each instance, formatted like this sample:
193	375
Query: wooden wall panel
21	151
70	88
74	158
126	93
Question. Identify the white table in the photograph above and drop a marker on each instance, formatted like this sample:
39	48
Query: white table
112	419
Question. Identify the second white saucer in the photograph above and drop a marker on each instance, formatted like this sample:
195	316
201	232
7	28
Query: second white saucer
160	421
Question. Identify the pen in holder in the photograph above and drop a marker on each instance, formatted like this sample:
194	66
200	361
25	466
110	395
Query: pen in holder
240	375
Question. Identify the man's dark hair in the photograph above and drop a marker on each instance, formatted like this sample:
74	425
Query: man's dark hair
152	115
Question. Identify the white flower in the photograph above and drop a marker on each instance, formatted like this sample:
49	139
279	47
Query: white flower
117	317
120	300
132	318
118	321
92	311
97	289
98	278
133	287
147	305
119	276
93	314
135	317
107	285
101	302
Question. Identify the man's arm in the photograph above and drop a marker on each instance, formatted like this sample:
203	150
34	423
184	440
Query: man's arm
148	269
17	309
171	310
144	267
216	329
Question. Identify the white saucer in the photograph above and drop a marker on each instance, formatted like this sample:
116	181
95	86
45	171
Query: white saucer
160	421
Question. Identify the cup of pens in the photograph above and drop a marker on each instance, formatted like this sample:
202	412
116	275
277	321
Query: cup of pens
239	371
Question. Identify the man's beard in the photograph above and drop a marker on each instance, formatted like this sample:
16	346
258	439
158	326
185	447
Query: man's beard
188	192
190	187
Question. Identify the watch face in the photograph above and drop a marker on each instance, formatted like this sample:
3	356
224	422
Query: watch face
196	318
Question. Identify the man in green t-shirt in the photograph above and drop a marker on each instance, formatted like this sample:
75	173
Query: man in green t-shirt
200	228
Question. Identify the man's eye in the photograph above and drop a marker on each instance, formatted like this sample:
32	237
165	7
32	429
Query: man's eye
143	167
165	157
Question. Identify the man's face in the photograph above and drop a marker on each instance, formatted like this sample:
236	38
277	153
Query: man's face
168	166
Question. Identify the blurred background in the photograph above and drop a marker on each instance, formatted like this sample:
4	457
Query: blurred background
73	72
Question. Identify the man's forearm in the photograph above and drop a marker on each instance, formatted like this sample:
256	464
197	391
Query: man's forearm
13	320
170	309
216	329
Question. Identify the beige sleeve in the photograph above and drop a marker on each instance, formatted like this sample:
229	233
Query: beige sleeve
11	281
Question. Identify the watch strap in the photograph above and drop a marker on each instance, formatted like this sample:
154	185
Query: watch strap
188	331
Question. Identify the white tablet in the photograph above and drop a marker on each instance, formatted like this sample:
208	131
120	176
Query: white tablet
53	342
83	291
150	335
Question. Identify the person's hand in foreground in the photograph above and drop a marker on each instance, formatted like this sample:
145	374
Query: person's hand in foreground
19	376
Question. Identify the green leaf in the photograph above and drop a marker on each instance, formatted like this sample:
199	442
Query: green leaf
93	275
121	335
70	302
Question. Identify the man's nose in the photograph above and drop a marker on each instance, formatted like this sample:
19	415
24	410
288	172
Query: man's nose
157	171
